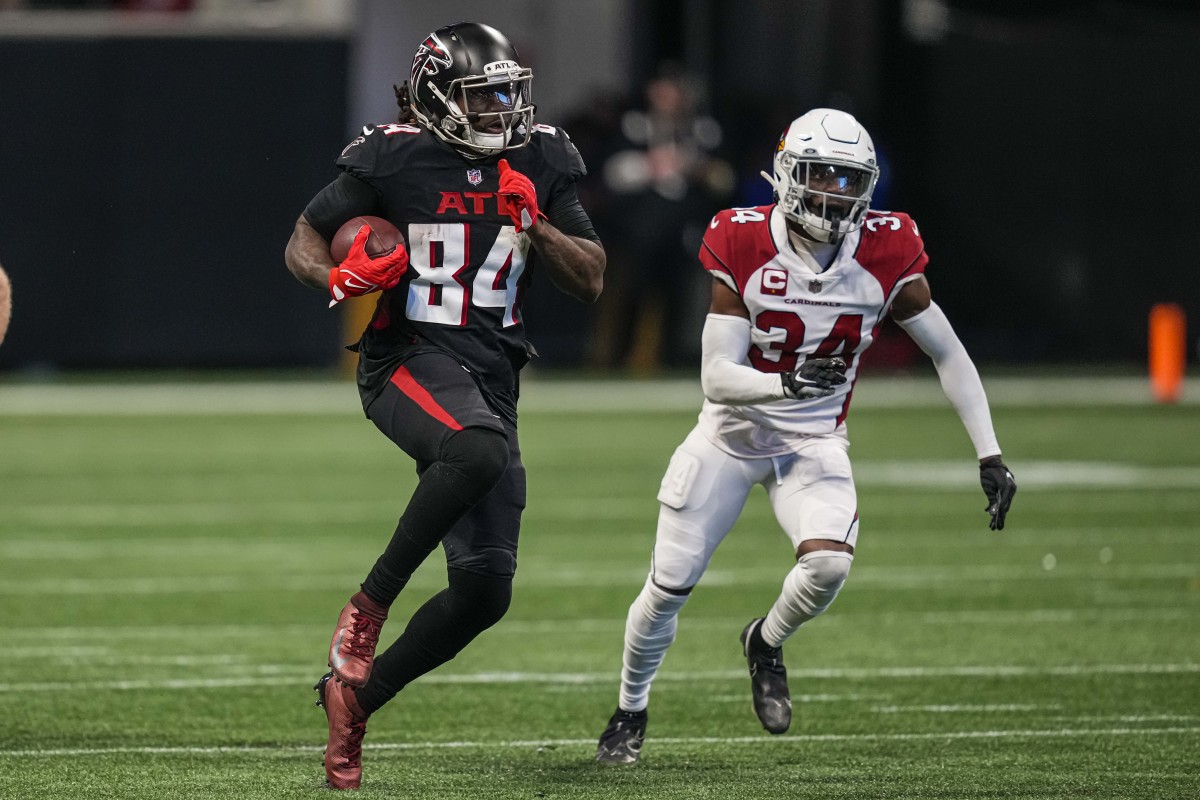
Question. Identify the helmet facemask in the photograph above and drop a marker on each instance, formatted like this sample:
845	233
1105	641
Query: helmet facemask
483	111
827	197
825	173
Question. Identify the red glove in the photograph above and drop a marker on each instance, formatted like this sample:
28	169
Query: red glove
360	274
522	203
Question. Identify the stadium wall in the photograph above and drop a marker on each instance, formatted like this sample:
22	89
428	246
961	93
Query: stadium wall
149	187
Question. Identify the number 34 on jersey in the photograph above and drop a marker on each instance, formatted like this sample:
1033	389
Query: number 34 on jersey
796	313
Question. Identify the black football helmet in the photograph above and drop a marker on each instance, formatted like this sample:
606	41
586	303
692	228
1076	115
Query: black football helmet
469	89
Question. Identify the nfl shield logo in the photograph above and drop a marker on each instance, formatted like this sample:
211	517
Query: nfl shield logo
474	177
815	286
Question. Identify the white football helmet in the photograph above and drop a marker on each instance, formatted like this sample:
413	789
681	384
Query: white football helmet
825	172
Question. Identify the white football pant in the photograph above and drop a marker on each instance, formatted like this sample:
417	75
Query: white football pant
702	495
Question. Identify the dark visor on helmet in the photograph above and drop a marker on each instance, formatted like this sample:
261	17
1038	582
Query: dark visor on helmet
832	178
481	100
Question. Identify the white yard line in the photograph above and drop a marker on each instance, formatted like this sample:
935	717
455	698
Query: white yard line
983	578
582	678
519	627
72	544
743	697
207	398
971	709
796	739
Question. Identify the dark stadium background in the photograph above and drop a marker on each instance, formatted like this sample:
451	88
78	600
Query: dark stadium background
151	168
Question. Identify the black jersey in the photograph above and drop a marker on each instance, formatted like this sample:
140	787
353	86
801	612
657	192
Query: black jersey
468	266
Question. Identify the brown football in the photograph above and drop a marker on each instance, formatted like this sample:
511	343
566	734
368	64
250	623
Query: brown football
383	239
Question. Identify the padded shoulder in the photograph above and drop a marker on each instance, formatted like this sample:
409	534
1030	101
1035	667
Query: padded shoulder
362	156
738	241
891	248
557	151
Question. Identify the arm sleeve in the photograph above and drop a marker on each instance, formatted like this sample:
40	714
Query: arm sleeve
566	213
724	374
960	380
346	198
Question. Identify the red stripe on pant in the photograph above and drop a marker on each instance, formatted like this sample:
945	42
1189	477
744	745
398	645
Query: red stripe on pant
405	382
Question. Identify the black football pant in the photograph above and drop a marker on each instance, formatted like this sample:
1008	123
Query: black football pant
469	498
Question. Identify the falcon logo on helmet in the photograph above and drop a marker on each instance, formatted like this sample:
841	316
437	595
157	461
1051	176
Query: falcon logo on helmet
431	58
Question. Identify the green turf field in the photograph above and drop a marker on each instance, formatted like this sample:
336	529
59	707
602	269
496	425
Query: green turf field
169	582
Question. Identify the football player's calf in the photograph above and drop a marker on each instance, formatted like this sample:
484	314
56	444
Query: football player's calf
355	637
649	630
347	727
808	590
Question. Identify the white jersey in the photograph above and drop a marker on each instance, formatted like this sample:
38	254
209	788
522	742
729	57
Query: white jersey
796	313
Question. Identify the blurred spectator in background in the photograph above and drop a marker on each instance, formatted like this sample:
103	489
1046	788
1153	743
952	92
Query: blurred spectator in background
664	182
5	303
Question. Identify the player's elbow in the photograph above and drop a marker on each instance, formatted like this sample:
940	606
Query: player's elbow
590	291
292	252
589	271
717	390
291	257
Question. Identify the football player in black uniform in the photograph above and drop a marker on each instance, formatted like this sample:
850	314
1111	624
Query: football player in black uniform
486	199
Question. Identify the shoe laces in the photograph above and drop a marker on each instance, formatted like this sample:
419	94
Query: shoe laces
767	657
352	748
364	634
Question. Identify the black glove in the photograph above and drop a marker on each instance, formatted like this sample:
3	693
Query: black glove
816	377
999	486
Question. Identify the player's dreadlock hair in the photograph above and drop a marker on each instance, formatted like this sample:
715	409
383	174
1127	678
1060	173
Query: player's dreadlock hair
404	101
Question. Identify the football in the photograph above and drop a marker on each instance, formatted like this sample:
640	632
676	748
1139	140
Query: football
383	239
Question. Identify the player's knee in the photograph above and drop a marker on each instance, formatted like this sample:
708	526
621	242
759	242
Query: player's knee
479	455
819	577
827	569
479	601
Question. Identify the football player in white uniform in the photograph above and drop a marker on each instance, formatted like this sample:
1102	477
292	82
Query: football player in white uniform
799	290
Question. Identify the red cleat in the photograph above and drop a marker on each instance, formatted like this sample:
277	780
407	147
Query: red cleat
347	727
352	652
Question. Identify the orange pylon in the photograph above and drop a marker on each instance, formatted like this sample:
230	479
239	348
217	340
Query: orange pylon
1168	351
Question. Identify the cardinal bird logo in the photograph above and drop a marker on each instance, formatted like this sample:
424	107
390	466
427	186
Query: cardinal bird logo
431	58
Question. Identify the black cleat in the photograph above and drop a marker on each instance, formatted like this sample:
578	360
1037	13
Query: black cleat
768	679
621	742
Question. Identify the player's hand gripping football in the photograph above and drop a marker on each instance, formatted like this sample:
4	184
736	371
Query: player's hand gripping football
360	274
999	486
522	197
816	377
